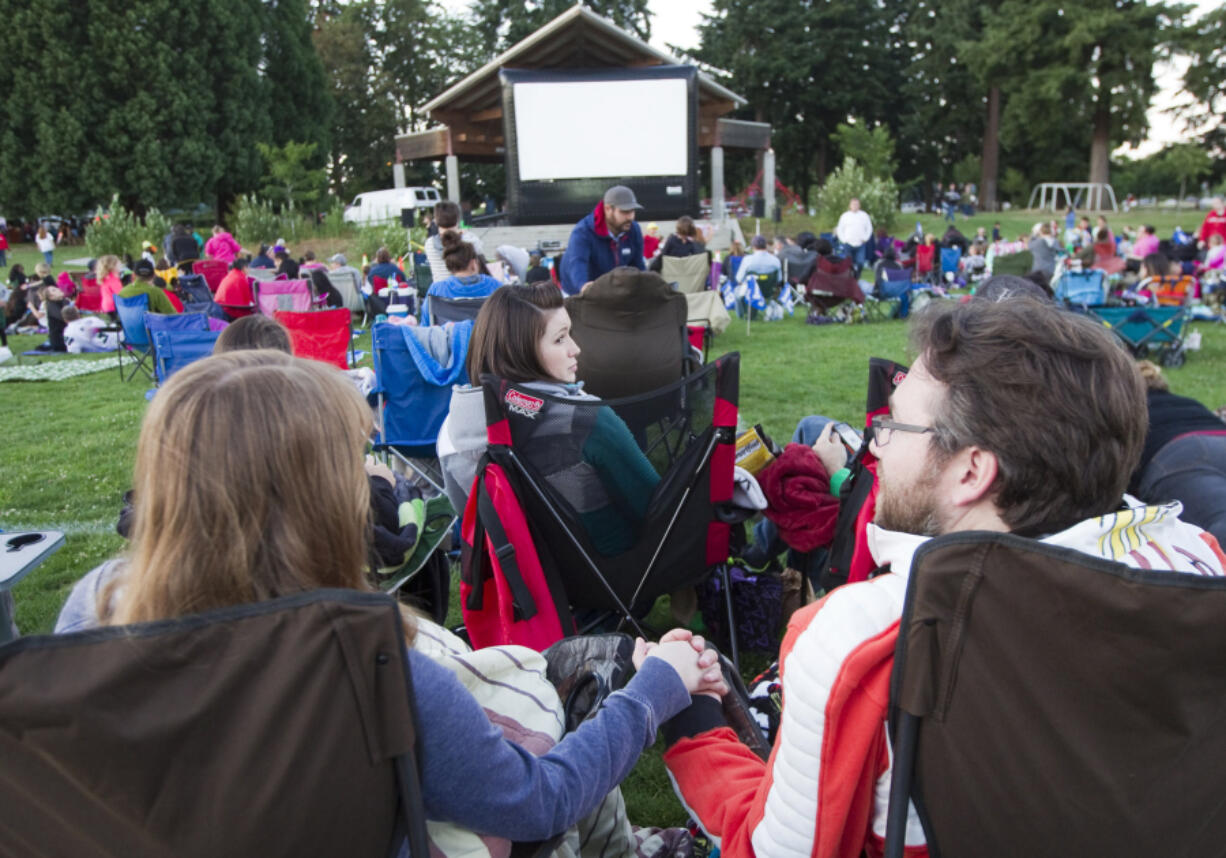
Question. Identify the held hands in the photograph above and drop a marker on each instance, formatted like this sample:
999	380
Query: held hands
685	652
830	450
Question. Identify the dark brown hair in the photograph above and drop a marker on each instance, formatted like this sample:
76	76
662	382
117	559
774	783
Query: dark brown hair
458	254
253	332
508	331
1050	393
446	214
1156	265
383	255
685	227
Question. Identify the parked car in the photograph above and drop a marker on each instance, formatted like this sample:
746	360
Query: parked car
385	206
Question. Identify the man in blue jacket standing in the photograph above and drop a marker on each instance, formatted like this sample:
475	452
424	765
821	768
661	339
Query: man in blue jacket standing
604	240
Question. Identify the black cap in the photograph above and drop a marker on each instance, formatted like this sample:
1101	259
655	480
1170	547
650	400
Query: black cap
142	268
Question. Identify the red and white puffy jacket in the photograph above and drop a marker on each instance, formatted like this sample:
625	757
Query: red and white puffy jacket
824	790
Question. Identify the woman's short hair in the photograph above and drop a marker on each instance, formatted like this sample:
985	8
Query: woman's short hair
509	330
383	255
253	332
685	227
458	254
248	486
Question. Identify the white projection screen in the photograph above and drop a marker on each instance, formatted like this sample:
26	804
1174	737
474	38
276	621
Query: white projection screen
624	128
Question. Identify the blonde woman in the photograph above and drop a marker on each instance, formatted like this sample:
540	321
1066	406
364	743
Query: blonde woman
46	242
286	437
107	273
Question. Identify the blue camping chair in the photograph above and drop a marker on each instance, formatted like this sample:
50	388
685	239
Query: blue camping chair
174	350
892	284
414	391
198	298
950	257
136	345
1082	288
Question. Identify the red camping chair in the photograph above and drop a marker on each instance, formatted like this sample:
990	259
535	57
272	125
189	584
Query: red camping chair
322	335
212	270
925	261
89	298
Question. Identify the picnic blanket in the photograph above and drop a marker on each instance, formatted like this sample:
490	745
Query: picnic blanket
57	370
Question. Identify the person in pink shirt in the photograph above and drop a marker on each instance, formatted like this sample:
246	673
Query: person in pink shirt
222	246
1146	243
107	273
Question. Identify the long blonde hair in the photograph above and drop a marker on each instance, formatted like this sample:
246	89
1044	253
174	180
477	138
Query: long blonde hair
106	265
248	485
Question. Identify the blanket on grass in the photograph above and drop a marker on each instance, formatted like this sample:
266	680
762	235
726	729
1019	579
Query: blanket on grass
57	370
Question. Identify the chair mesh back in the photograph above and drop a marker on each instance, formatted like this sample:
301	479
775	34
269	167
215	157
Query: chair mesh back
1069	705
444	310
260	730
623	481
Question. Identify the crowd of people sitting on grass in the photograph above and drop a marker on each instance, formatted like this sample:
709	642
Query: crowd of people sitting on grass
948	454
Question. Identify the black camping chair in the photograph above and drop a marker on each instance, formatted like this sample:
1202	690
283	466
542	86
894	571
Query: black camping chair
282	728
628	498
1046	702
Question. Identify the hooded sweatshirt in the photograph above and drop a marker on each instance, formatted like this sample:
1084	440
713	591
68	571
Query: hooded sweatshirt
825	789
592	251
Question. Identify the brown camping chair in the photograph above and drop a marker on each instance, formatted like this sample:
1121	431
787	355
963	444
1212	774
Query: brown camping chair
282	728
690	273
1053	703
631	330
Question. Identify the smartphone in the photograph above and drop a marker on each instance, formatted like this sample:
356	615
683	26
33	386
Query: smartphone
850	437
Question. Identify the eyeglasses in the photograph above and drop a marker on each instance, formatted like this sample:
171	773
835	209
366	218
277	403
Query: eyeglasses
884	428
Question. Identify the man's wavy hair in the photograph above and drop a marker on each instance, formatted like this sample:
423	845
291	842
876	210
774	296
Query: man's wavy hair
1054	396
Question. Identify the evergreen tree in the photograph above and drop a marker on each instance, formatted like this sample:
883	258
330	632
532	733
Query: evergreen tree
239	115
298	104
1204	42
364	121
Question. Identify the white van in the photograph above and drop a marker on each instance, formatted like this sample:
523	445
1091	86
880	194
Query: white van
385	206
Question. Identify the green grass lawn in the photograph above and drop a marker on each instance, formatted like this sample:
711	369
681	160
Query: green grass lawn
70	446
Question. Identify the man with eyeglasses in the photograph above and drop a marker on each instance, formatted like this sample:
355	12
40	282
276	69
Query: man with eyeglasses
1016	416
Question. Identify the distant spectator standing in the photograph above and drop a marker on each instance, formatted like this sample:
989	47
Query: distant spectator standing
1213	224
182	245
46	242
222	246
605	239
447	217
4	249
854	232
950	201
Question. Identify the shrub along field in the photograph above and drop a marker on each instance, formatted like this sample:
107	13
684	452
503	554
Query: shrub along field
69	446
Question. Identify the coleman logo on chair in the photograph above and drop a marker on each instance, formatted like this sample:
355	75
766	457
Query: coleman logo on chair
523	404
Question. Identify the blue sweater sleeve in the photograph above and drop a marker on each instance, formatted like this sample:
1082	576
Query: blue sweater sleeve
475	778
576	259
